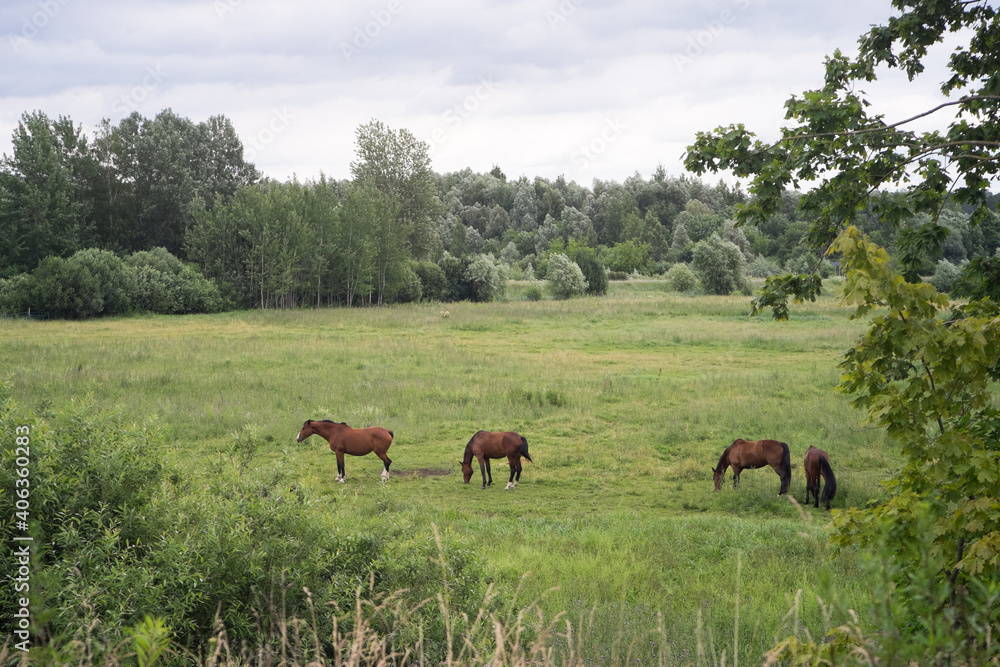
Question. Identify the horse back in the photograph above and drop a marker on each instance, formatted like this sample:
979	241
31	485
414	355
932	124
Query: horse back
756	453
495	445
361	441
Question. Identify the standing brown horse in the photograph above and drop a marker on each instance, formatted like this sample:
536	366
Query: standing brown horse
817	462
743	454
486	445
354	441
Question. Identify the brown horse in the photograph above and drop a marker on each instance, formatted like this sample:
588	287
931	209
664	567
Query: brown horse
818	463
354	441
743	454
486	445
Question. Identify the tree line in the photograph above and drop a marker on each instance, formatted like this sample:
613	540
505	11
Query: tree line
395	232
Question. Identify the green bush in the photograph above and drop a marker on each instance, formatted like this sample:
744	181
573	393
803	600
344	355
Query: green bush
594	271
565	279
66	289
486	278
681	278
945	275
762	267
409	289
719	265
96	282
15	293
533	293
432	280
456	287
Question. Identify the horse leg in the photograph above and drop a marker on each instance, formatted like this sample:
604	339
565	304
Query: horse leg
482	469
489	473
341	471
808	489
511	484
386	461
736	476
784	482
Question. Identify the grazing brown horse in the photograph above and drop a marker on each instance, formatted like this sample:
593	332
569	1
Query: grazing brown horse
486	445
354	441
743	454
817	462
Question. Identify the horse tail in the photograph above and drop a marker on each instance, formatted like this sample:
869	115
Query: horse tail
391	434
830	490
786	467
524	449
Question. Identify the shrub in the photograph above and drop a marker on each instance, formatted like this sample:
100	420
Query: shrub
66	289
719	265
564	277
486	278
15	293
762	267
409	289
533	293
945	275
116	280
627	256
681	278
593	270
432	280
456	288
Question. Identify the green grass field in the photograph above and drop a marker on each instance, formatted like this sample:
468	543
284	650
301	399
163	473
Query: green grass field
627	401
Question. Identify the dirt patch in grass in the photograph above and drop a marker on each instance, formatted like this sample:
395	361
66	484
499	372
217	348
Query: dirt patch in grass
420	472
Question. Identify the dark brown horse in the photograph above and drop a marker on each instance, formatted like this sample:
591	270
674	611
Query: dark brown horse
743	454
818	463
354	441
486	445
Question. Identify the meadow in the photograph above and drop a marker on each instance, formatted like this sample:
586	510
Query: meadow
627	402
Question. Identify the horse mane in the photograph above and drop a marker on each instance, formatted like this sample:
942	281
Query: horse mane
724	459
467	456
330	421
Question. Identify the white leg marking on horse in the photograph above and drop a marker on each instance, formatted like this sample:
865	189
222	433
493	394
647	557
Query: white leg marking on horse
509	486
385	475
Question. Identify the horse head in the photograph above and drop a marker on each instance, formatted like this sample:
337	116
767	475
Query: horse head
466	471
307	430
718	474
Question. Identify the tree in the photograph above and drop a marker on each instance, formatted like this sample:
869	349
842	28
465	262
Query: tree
926	369
720	265
397	164
486	277
524	214
43	207
565	279
593	269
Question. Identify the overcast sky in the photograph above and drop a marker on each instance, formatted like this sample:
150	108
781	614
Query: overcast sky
584	88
